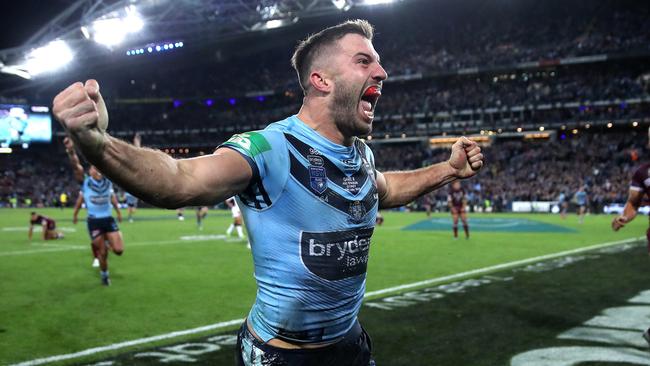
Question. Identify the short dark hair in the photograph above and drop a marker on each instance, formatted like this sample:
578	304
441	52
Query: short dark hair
311	47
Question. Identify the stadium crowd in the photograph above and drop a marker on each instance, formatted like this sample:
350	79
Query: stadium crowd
453	35
517	170
199	103
496	101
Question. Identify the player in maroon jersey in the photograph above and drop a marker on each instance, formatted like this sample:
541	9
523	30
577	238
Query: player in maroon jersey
49	227
639	187
457	202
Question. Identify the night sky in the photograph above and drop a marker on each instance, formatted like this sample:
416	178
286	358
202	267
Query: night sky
21	19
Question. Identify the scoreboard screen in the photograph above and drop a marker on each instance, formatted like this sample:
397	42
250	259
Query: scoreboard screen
20	124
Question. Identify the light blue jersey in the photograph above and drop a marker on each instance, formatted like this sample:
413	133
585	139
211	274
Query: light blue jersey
581	198
310	212
97	196
130	199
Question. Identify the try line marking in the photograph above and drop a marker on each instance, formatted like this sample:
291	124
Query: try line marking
135	342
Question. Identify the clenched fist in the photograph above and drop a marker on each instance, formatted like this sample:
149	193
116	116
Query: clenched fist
466	158
81	111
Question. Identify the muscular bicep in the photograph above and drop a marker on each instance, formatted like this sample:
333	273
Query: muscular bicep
382	189
213	178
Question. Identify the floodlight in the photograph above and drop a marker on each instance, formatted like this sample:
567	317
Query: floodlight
342	4
276	23
50	57
85	32
111	31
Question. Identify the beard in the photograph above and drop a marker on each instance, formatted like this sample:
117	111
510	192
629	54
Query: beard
345	110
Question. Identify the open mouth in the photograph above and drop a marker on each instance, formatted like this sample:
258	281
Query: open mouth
369	100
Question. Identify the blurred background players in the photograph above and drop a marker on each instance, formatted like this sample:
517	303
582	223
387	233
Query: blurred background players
457	203
48	224
131	204
581	201
63	200
563	203
98	196
236	218
201	213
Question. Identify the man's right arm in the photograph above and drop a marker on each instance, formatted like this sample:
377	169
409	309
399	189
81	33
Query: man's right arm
148	174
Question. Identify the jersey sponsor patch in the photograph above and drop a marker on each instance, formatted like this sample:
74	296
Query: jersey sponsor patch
336	255
253	143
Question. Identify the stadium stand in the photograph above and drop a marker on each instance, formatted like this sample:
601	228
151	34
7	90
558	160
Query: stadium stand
465	67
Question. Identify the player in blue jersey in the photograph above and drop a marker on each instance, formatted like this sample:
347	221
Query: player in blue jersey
308	190
581	202
131	205
98	196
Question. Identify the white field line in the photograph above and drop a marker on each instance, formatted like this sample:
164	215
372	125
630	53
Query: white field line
135	342
65	247
485	270
116	346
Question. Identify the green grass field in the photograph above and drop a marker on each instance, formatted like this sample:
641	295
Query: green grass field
173	277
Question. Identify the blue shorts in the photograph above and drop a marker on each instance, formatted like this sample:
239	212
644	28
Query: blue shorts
97	227
354	349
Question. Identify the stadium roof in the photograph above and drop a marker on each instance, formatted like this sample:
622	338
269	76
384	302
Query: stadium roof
92	29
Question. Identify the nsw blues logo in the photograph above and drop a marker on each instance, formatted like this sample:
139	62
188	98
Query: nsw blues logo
317	179
356	211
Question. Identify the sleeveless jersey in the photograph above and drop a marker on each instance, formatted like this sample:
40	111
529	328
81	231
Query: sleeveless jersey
97	196
310	212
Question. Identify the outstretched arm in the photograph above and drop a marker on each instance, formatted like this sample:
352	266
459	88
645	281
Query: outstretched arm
399	188
77	168
630	210
31	231
148	174
77	206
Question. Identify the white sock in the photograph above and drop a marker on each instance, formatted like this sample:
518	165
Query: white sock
240	232
230	229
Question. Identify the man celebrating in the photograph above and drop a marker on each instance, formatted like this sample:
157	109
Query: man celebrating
98	196
303	183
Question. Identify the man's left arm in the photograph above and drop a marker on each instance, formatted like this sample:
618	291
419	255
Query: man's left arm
116	205
399	188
